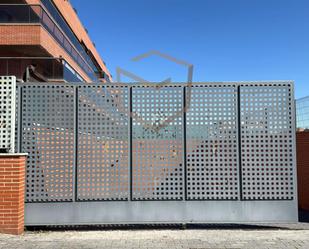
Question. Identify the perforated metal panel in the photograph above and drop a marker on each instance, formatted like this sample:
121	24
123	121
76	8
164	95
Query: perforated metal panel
102	172
106	150
48	138
157	148
267	142
7	112
212	152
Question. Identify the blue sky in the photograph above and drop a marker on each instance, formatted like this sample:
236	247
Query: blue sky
225	40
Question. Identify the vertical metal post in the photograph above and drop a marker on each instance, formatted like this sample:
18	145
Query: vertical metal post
11	106
238	114
130	123
292	102
19	119
184	127
75	130
29	19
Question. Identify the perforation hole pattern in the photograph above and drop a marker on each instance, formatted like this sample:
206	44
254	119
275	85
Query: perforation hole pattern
17	120
102	172
212	154
262	137
157	143
267	142
7	112
48	138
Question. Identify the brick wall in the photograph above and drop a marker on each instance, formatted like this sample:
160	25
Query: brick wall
12	191
20	34
302	144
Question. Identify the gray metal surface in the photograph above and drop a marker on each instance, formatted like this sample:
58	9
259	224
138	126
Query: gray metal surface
48	138
102	167
157	149
117	153
160	212
7	113
212	153
267	142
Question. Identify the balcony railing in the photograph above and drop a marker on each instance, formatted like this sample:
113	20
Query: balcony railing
24	13
46	69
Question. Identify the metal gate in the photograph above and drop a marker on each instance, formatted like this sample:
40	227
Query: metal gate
116	153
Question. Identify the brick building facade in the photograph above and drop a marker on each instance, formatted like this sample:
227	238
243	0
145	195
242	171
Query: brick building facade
44	40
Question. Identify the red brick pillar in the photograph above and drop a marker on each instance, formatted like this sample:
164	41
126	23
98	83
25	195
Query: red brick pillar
12	193
302	144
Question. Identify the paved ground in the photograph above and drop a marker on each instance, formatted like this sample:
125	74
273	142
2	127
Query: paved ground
289	236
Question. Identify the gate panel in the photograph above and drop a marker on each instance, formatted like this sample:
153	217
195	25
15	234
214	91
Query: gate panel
267	142
157	143
118	153
212	151
48	138
102	171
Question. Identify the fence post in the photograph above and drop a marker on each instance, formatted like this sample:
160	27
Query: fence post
19	119
184	127
238	113
75	131
130	123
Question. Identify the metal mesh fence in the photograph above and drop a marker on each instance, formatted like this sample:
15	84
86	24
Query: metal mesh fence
102	172
157	149
212	144
267	142
116	142
48	138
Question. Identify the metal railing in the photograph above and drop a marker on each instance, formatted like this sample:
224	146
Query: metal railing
49	69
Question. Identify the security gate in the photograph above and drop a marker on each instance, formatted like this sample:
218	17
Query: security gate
117	153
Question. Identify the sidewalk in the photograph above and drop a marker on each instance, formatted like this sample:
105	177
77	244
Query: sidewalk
287	236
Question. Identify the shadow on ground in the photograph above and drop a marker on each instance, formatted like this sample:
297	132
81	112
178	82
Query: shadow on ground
303	215
149	227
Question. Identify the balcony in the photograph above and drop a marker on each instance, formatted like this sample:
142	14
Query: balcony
39	69
24	13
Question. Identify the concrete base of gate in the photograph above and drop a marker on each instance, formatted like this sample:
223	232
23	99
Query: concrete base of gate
134	212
